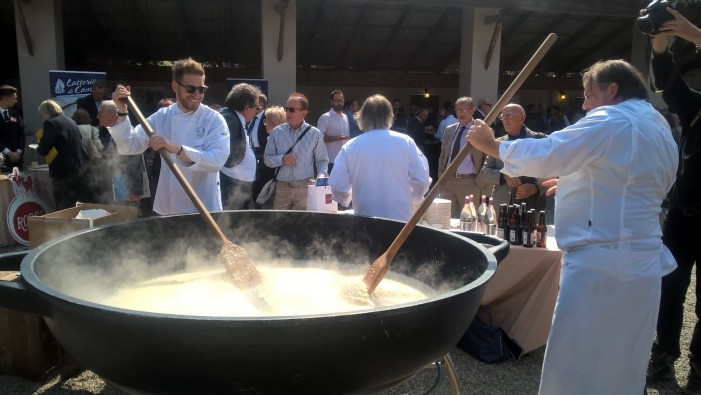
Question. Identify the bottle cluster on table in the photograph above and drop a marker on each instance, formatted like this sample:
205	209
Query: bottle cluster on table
517	225
482	219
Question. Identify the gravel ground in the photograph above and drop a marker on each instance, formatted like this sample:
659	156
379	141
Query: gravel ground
474	377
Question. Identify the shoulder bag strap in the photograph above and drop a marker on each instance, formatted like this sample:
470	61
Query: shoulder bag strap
291	148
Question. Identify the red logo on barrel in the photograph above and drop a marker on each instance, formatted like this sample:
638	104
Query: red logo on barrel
18	218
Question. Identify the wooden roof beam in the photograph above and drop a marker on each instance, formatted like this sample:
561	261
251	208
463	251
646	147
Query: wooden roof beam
528	48
577	63
391	37
559	7
309	50
429	37
351	37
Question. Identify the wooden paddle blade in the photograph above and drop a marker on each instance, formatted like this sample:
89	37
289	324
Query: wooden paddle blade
376	273
239	265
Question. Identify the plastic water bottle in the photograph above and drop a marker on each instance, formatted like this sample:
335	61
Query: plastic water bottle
321	180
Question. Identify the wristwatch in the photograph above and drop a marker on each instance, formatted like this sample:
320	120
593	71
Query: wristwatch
122	114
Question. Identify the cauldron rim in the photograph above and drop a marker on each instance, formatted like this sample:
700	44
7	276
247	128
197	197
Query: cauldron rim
31	278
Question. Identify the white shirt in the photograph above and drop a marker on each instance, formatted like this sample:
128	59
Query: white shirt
203	135
386	172
449	120
333	124
246	170
253	134
615	166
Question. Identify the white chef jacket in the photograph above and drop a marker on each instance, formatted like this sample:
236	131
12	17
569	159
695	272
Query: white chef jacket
615	166
204	136
384	172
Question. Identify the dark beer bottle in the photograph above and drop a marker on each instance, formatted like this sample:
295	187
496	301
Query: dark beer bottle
527	233
503	226
512	223
542	231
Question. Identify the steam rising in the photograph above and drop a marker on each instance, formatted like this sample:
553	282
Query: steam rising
170	251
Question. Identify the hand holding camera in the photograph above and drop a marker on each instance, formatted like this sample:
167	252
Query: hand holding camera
661	18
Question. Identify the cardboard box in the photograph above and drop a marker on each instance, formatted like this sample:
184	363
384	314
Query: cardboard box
50	226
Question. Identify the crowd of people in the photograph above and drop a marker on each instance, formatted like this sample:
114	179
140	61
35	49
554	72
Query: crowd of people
624	274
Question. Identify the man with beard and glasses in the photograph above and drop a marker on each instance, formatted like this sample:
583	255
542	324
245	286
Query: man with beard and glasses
195	136
334	126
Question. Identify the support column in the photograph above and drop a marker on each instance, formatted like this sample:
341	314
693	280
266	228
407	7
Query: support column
281	74
44	19
476	81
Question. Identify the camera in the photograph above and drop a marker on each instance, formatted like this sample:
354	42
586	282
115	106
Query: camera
654	15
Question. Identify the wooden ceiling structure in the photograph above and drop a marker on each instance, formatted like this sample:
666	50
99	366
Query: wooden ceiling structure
352	36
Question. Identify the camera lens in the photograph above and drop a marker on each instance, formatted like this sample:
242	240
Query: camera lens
646	25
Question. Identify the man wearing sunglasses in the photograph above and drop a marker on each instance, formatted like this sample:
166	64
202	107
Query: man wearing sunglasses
195	136
239	171
296	168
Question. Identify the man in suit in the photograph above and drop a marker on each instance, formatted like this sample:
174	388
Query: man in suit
259	138
239	171
464	182
416	128
92	102
507	189
484	105
11	129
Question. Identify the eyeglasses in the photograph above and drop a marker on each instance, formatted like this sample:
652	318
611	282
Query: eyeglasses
191	89
292	109
257	107
508	116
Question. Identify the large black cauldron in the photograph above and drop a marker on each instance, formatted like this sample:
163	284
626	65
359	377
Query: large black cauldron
358	352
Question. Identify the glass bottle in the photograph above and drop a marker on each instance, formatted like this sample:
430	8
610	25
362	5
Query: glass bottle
513	214
465	214
503	228
481	212
473	223
542	231
527	233
490	219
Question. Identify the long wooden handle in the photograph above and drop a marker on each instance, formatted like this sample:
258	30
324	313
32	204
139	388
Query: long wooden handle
178	174
453	167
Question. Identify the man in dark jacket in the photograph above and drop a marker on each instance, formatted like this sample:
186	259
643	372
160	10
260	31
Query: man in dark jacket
66	170
92	102
680	230
11	129
239	171
507	189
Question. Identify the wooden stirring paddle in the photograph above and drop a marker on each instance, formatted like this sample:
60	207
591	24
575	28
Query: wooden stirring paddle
379	268
234	257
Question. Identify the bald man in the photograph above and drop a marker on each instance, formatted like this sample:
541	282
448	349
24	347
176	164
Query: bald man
513	190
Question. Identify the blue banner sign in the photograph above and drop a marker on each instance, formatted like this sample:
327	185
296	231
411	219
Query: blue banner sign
261	84
68	86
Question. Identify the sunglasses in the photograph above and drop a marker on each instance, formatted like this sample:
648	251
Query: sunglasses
191	89
292	109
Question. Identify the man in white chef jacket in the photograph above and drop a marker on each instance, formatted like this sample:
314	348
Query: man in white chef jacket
196	137
615	166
